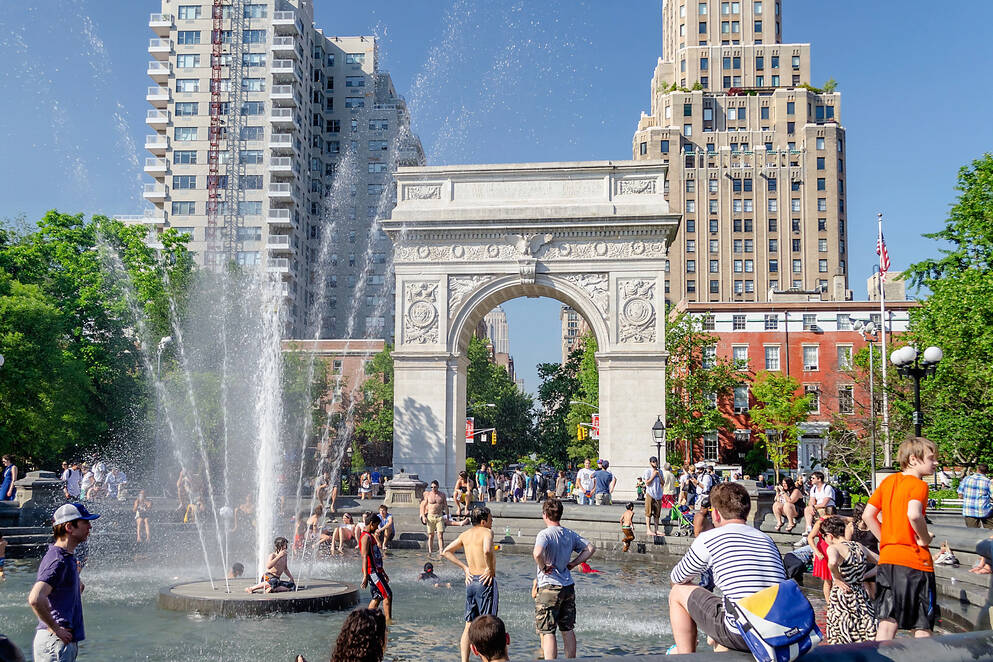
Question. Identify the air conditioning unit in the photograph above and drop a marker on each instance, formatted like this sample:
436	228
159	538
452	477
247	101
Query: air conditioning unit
810	368
741	410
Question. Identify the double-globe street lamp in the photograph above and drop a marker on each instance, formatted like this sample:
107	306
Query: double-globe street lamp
658	435
911	364
869	333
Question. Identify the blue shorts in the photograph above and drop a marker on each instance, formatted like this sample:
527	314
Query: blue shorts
480	599
380	589
276	582
2	562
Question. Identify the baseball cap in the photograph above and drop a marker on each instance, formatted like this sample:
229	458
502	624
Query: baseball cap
70	512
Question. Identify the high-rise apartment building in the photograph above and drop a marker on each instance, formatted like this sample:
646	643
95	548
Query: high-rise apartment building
574	327
756	156
497	330
255	113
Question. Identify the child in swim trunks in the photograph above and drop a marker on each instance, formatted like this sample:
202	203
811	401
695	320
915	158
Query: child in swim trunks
627	525
275	568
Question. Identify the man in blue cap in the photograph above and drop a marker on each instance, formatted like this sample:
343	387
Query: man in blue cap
56	594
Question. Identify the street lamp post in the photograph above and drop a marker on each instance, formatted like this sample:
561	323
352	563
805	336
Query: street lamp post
918	367
869	334
658	434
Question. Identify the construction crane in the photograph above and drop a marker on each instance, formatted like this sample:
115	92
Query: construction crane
224	135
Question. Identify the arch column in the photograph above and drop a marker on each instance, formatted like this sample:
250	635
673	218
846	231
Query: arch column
429	414
632	394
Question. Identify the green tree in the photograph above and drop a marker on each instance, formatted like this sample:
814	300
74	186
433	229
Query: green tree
588	391
88	275
695	380
781	409
958	318
374	411
559	386
513	413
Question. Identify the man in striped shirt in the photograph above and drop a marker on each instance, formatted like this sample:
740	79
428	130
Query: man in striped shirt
743	560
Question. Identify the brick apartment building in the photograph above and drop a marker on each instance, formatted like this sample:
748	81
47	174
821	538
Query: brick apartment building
811	341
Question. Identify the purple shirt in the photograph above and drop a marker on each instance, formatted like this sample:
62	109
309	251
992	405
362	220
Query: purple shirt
58	570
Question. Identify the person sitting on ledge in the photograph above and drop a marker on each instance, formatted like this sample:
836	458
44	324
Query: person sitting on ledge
275	568
743	560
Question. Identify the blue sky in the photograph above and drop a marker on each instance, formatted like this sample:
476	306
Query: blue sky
504	81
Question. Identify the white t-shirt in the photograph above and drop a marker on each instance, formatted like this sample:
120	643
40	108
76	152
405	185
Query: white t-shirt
585	479
653	485
99	471
87	481
72	479
817	494
706	482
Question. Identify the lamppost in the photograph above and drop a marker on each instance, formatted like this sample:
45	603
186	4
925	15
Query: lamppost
909	364
869	334
658	434
580	402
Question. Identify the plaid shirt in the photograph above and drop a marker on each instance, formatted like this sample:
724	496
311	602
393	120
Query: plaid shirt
975	493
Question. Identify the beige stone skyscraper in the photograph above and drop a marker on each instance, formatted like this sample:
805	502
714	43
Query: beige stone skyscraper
254	110
756	156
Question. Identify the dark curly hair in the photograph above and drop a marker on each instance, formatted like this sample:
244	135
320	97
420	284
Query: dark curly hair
362	637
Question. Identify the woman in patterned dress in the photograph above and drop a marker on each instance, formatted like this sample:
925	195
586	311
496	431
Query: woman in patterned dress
850	615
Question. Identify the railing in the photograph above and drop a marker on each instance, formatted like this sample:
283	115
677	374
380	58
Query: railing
281	139
280	214
155	188
280	188
278	240
156	66
156	141
158	115
158	91
159	44
281	113
282	89
283	42
282	16
280	162
160	18
279	263
283	65
153	162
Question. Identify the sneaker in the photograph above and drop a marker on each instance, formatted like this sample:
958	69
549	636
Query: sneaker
801	542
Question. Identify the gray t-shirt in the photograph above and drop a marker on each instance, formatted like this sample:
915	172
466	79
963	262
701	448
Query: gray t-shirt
557	545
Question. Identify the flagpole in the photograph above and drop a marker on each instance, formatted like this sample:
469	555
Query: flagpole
887	446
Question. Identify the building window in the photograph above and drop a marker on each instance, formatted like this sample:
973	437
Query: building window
691	287
771	321
739	356
811	357
846	399
809	321
772	357
741	398
188	12
738	322
820	163
715	286
821	204
690	266
184	208
690	206
184	181
643	149
844	322
773	266
185	157
797	266
814	391
710	446
663	146
822	266
708	357
844	357
688	130
714	266
187	61
773	204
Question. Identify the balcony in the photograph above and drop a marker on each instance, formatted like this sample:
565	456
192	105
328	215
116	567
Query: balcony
283	47
281	165
154	192
285	22
160	49
160	24
154	166
281	142
286	71
157	144
157	118
281	116
279	265
159	71
281	191
283	95
151	219
278	243
281	218
158	96
288	292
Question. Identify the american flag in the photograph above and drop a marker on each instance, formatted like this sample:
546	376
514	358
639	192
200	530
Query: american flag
884	256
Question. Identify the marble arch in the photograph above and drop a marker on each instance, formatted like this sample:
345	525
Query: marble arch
593	235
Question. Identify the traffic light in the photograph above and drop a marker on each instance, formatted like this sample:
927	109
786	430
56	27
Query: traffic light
580	432
493	442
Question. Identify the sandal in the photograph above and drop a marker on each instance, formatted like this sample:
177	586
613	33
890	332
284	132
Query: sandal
779	527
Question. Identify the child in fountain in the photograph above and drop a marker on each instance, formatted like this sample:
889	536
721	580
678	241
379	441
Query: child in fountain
237	570
373	574
627	525
275	568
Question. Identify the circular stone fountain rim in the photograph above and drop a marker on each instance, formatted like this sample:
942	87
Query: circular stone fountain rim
317	596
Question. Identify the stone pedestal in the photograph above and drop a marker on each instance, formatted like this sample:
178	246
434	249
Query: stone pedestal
39	493
405	490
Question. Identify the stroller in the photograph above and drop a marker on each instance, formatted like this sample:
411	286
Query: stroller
681	517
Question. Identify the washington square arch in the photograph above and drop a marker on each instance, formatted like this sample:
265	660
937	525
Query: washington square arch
593	235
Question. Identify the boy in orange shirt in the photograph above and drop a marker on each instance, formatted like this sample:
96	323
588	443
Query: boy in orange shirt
906	597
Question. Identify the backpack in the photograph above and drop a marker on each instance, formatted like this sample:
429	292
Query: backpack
777	622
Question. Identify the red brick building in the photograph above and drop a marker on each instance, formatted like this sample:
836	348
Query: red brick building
346	359
811	341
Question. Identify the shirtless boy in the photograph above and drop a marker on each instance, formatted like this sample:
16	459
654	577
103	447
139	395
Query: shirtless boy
275	568
434	507
627	525
481	594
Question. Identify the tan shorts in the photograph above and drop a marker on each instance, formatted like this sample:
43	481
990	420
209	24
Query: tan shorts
653	507
555	608
436	523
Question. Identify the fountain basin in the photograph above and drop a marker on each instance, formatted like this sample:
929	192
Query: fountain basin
201	598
